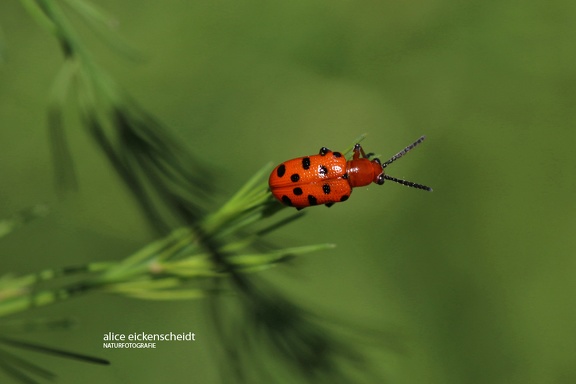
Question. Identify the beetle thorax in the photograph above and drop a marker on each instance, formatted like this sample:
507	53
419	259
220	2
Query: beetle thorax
362	172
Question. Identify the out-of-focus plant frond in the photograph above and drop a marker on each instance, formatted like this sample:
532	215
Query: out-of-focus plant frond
14	327
19	219
24	371
177	266
203	251
304	343
171	185
104	25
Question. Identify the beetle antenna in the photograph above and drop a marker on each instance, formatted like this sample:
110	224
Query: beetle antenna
402	153
407	183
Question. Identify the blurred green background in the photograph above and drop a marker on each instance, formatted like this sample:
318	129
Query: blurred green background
477	279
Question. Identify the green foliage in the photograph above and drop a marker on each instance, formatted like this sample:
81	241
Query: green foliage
202	251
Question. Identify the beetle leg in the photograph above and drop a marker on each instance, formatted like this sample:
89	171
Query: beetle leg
358	150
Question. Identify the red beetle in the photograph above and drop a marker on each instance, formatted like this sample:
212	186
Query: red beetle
328	178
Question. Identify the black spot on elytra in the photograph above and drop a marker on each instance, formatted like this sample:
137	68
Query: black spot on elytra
306	163
337	154
322	170
286	200
295	177
326	189
345	176
344	198
312	200
281	170
324	151
297	191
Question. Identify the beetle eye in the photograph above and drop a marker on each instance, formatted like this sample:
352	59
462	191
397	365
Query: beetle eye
380	179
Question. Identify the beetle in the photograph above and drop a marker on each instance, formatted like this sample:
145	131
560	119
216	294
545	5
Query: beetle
329	178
